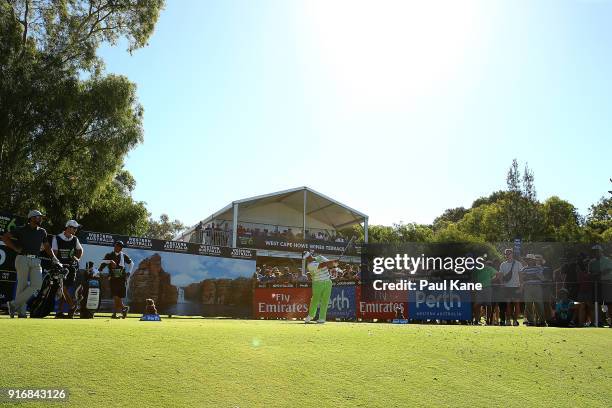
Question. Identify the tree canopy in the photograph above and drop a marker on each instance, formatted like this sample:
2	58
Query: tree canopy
65	126
505	215
164	228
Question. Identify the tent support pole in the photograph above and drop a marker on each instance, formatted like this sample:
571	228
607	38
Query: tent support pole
235	226
304	220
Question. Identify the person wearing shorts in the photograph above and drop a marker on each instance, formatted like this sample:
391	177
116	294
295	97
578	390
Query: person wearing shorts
116	262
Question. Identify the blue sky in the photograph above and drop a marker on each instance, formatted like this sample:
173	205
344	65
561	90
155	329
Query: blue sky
399	109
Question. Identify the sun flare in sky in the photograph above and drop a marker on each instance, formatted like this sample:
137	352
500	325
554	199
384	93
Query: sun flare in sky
391	52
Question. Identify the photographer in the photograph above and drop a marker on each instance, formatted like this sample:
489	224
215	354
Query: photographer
27	242
116	262
68	249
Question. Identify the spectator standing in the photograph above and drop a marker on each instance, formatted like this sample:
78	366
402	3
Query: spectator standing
27	241
600	270
509	276
533	277
483	297
68	249
116	262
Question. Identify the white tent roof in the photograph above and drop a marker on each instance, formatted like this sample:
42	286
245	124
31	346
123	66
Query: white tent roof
286	208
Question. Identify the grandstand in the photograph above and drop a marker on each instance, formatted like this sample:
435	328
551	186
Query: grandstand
281	224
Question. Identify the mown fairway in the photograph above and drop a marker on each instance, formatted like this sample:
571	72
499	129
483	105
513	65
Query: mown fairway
229	363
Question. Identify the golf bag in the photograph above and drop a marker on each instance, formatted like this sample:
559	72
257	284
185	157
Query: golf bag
88	296
43	303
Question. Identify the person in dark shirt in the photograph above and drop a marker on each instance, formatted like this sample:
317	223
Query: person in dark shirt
116	262
568	277
27	241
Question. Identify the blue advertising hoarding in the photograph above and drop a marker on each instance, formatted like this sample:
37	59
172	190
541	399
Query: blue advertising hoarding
439	305
342	303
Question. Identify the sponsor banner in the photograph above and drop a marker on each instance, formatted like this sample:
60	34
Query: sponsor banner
183	278
8	276
341	303
9	221
136	242
209	250
307	284
242	253
100	238
279	244
382	305
103	239
150	318
281	302
7	259
293	302
180	283
284	285
176	246
439	305
400	321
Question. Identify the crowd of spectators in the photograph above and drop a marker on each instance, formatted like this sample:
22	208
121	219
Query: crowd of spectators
213	234
287	274
220	232
564	296
289	233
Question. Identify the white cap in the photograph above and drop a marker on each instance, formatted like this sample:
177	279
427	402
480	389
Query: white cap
599	247
306	255
72	223
530	256
35	213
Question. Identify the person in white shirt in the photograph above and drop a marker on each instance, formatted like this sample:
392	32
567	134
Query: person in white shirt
509	276
68	249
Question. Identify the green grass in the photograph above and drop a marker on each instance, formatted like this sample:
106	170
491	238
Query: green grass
235	363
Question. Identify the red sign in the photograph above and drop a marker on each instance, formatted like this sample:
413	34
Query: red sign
281	302
383	305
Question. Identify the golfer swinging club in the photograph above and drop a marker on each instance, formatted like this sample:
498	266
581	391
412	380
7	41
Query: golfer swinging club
321	285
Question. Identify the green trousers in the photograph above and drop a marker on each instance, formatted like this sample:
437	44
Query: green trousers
321	291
